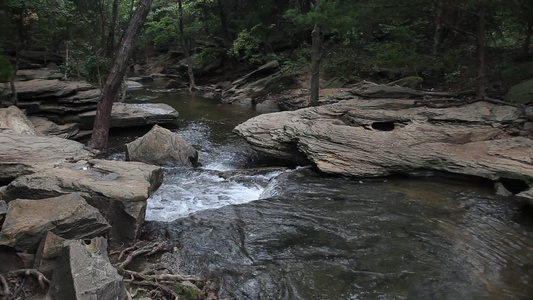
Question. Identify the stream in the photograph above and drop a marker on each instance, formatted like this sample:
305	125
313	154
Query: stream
298	234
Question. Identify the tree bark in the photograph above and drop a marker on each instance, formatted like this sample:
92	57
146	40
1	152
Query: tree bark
112	85
185	44
480	89
112	29
316	56
14	95
223	21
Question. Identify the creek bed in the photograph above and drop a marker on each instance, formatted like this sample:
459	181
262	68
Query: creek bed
298	234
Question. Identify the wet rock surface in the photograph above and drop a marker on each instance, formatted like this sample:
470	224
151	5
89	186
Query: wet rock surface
315	237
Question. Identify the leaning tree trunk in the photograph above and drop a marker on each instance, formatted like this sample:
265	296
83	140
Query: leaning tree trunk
112	85
14	95
480	89
186	49
316	56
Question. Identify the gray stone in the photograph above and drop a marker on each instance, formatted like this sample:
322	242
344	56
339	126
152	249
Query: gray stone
82	97
528	195
49	250
46	89
85	273
133	85
3	211
44	73
47	127
175	84
24	154
160	146
68	216
529	113
370	138
128	115
119	190
500	190
16	121
371	90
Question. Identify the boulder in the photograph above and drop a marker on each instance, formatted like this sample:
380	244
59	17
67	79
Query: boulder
16	121
47	127
119	190
175	84
370	138
3	211
25	154
160	146
128	115
85	273
49	250
372	90
521	93
529	113
133	85
68	216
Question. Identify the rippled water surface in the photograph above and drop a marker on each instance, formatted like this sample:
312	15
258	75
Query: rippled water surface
316	237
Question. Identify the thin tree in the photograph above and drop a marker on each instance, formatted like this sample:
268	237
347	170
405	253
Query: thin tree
316	56
185	44
480	37
118	70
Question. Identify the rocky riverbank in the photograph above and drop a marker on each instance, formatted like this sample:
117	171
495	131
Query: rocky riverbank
61	209
371	137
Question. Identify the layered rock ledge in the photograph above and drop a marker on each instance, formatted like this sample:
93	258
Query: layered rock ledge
380	137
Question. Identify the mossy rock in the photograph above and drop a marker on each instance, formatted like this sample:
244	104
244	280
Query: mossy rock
521	93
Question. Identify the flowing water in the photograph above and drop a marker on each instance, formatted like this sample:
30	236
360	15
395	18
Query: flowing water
297	234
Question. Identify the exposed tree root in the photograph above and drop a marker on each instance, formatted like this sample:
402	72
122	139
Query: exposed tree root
5	288
141	248
44	283
157	285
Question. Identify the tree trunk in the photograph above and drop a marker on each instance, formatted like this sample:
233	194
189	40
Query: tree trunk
223	21
112	85
437	37
316	56
112	29
14	95
480	89
185	44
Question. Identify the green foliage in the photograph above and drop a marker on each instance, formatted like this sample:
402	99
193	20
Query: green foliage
249	46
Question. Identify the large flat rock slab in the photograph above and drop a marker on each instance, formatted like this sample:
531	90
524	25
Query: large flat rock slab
369	138
25	154
129	115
